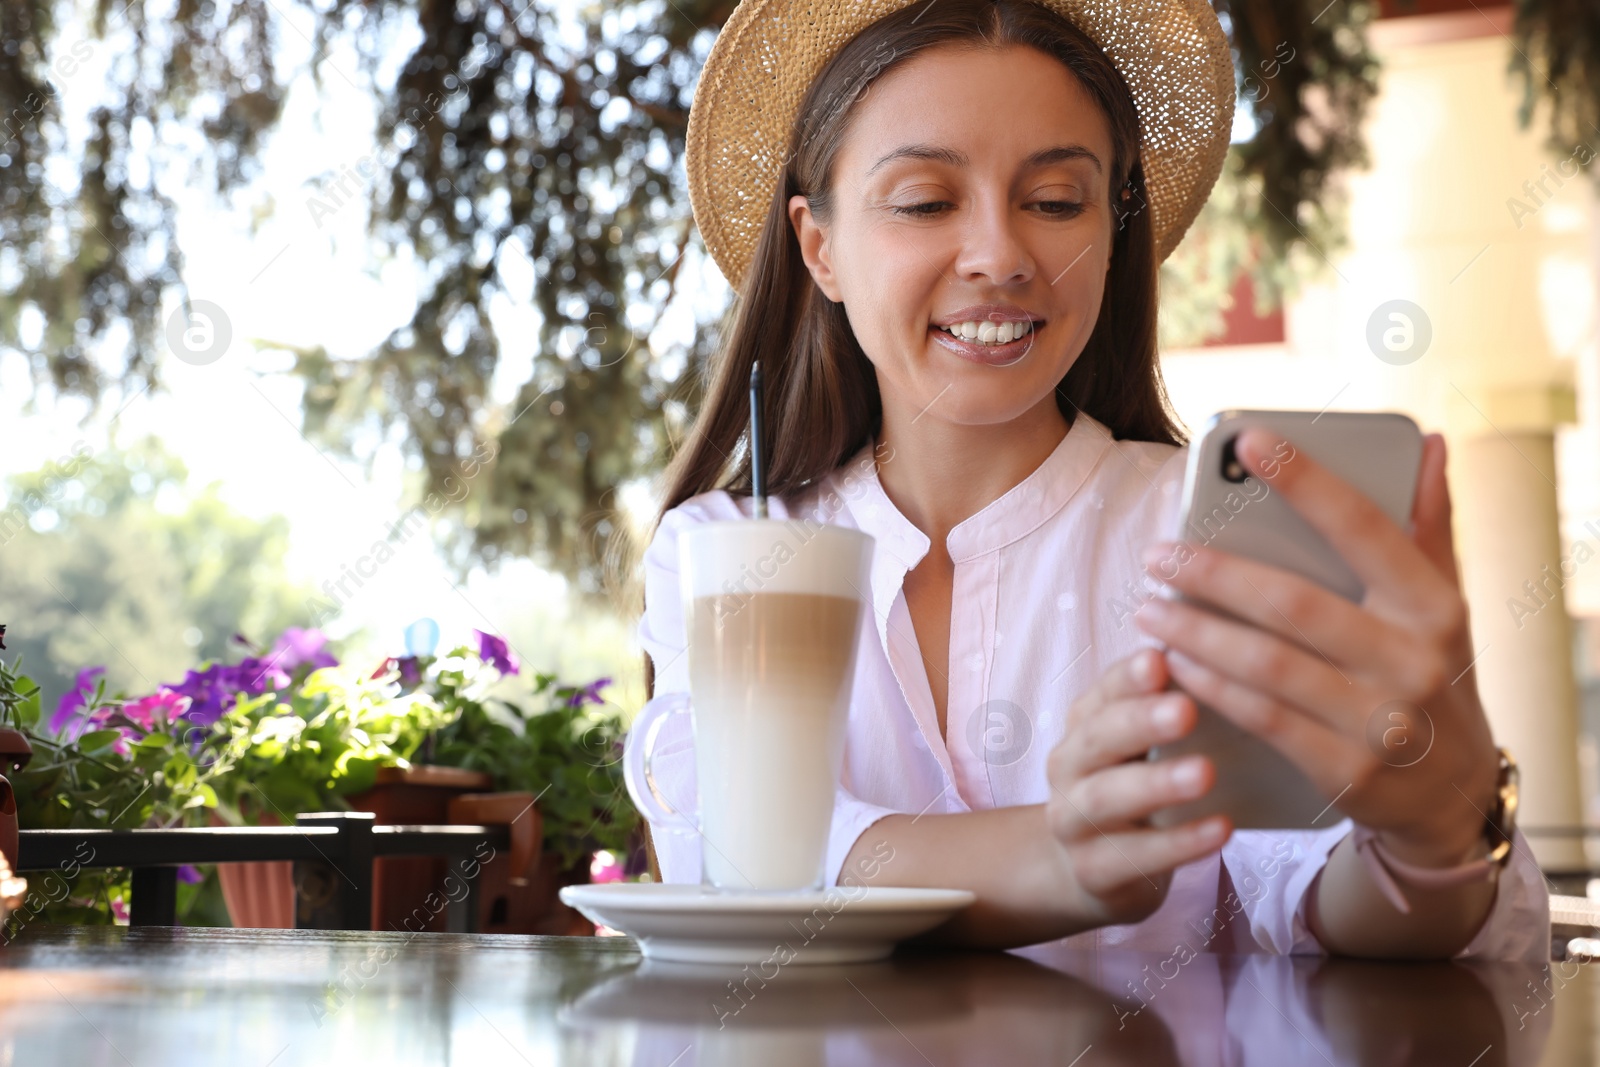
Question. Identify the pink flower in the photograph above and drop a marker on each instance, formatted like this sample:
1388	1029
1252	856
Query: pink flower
161	708
605	868
154	712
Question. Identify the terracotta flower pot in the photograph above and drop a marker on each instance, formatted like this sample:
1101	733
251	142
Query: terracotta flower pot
259	895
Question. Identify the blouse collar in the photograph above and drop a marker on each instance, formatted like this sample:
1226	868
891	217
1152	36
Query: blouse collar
1016	513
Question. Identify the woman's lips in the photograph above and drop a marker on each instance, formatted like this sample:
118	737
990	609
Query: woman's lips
990	355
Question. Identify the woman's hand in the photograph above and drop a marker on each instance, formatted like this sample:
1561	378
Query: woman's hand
1102	788
1375	700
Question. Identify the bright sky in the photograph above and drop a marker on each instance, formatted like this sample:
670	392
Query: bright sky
303	279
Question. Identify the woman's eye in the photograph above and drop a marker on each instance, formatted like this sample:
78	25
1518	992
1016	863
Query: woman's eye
918	210
1065	209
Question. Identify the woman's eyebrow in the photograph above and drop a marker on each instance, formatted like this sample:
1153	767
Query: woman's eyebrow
1061	154
922	151
1042	158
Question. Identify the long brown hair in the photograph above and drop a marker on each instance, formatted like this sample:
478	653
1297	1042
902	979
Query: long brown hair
821	393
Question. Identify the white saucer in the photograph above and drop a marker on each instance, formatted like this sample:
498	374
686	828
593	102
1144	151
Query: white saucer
694	924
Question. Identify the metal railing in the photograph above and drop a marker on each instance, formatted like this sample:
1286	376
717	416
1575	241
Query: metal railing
333	854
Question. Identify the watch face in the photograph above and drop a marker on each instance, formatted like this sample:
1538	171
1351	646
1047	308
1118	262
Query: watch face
1502	822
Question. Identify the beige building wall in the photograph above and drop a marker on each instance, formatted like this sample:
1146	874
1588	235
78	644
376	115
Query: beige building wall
1452	219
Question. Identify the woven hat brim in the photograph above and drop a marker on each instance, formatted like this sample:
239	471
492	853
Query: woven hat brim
1173	54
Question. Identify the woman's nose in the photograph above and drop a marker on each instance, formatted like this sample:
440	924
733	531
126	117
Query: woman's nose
992	246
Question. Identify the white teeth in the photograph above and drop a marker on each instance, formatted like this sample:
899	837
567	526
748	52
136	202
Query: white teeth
989	333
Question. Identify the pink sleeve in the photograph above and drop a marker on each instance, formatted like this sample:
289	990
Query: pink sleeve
851	817
1275	893
1518	927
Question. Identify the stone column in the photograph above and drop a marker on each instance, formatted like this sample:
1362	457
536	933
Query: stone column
1503	487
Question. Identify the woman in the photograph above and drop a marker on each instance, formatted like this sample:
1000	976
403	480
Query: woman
952	295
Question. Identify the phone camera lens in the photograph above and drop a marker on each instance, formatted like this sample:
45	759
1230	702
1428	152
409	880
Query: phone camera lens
1232	469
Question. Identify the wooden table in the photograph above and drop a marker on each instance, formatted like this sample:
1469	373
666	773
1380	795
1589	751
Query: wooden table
81	997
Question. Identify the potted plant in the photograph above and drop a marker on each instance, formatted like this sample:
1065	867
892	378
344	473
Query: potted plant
283	731
305	746
427	739
102	763
560	742
289	729
462	737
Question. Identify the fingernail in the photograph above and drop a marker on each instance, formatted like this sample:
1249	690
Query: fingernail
1256	445
1167	714
1186	775
1144	668
1152	610
1160	552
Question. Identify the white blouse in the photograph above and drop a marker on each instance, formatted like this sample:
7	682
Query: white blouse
1046	581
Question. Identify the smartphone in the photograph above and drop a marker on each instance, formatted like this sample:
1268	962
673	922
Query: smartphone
1229	509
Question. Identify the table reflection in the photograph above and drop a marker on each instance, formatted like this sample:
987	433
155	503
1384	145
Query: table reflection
179	997
1052	1006
980	1008
1261	1009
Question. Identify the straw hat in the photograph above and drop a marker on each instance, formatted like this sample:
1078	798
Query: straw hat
1172	53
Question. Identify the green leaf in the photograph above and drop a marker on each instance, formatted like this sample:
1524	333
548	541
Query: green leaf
95	740
27	710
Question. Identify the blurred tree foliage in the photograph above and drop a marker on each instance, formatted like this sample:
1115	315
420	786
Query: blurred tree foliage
1557	55
1306	78
506	129
109	559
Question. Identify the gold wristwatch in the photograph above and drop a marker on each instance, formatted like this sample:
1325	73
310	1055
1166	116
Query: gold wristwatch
1500	824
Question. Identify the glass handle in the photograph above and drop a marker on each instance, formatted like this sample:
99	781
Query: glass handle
637	752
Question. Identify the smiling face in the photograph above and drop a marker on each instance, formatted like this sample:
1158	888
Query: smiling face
968	178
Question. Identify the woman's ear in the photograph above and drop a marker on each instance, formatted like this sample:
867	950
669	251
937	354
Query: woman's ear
814	246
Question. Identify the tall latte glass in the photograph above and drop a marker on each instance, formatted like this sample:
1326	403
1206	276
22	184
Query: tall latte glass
773	611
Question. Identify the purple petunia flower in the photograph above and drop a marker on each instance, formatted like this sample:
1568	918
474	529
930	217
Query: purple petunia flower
74	699
296	647
210	693
255	676
214	690
188	872
410	670
589	694
495	652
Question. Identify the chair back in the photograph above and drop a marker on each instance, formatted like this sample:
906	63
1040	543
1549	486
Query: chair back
514	810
